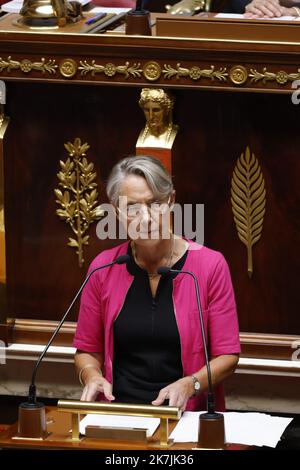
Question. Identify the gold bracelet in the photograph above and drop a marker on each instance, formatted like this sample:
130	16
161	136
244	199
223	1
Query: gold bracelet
82	369
297	11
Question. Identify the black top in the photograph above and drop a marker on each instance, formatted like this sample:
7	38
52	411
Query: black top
147	352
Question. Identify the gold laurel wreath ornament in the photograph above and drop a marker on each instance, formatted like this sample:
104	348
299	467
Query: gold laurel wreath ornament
78	201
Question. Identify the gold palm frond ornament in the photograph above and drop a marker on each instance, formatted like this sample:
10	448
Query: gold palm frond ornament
248	199
78	200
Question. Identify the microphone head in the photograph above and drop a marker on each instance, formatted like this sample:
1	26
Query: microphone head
122	259
139	5
163	270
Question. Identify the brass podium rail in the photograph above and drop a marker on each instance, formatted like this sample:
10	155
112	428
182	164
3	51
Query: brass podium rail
164	413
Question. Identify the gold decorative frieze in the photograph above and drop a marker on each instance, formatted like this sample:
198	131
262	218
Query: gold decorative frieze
195	73
27	65
238	74
248	198
280	77
68	68
78	199
152	71
110	70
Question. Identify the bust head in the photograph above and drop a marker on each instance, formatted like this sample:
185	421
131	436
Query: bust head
157	105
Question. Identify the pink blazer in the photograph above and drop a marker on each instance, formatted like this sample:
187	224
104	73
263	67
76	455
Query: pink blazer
115	3
105	293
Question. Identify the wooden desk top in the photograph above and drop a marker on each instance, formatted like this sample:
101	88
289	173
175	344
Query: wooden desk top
59	425
214	61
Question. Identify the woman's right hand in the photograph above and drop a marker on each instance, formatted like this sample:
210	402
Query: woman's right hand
94	386
264	8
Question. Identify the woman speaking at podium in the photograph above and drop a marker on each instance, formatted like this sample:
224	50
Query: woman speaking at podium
138	335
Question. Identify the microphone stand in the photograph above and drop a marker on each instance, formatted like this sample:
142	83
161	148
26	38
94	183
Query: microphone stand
32	415
138	20
211	433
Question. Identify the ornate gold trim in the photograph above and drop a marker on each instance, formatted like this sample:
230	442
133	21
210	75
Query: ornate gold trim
238	74
68	68
152	71
27	66
110	70
79	200
280	77
195	73
248	198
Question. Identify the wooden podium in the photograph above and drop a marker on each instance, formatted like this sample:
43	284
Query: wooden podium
59	427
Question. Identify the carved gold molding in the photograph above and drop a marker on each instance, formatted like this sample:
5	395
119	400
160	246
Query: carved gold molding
78	200
27	66
151	71
195	73
68	68
248	198
110	70
238	74
280	77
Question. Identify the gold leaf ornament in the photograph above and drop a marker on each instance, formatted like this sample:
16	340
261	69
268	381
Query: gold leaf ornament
78	197
248	199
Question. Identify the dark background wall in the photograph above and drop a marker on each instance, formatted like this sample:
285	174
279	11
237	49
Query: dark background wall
215	128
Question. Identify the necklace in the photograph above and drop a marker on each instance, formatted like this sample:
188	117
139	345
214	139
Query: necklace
169	262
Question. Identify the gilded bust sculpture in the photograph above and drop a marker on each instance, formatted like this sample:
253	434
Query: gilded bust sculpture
188	7
159	131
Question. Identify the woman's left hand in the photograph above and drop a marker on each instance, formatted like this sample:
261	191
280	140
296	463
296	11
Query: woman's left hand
178	393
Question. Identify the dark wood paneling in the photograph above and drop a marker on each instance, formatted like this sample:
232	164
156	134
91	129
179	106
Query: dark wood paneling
214	130
47	110
42	272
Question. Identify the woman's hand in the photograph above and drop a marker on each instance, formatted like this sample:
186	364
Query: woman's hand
178	393
264	8
94	386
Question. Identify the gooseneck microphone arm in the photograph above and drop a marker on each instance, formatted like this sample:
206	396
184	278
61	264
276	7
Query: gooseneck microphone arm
32	388
210	393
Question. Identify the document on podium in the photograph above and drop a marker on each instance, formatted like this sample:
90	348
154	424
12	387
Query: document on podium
115	10
235	16
258	429
116	421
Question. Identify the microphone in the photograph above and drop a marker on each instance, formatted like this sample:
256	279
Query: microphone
211	424
139	5
32	422
138	20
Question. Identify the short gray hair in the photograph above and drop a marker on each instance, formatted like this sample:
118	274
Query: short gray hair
150	168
